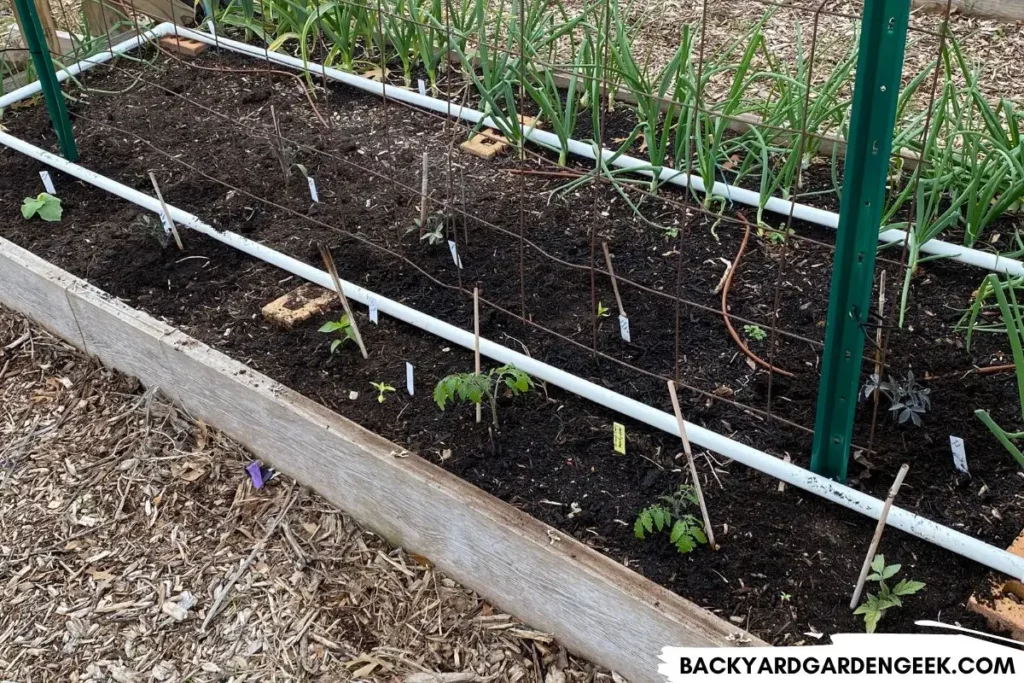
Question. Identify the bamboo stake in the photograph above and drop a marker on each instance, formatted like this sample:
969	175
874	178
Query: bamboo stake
693	467
167	214
615	283
878	332
424	185
900	476
280	148
476	340
46	22
325	254
782	484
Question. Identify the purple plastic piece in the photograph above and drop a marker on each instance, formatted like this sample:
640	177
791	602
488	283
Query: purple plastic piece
255	473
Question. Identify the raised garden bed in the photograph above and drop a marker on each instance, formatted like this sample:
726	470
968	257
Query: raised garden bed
788	561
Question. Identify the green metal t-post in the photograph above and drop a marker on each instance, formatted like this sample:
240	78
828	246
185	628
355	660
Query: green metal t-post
36	41
876	91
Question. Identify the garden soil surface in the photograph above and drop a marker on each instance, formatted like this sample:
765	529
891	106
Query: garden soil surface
788	561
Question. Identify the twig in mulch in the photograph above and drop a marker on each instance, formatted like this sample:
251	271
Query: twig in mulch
218	603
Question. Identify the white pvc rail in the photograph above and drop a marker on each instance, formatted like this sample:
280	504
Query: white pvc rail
945	537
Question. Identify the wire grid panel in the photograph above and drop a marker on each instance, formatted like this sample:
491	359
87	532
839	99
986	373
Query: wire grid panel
726	299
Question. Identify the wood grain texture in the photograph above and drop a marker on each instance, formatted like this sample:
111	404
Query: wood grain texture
593	605
1007	10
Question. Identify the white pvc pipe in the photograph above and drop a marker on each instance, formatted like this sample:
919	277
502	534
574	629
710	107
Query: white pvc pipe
30	89
829	219
778	205
972	548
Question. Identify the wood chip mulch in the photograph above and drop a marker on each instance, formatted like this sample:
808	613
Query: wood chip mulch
134	548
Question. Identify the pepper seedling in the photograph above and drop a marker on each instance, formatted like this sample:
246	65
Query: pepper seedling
342	325
382	389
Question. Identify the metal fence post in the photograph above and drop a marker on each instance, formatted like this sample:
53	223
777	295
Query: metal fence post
876	91
35	39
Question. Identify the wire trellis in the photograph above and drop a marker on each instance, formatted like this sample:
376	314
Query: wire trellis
530	161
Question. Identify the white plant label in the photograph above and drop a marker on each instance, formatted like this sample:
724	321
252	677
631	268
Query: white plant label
166	221
624	328
47	182
455	254
373	310
423	88
956	444
409	385
312	189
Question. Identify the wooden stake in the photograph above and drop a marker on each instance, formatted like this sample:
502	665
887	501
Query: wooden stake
615	284
424	185
878	332
325	254
167	214
280	148
782	484
693	467
476	340
46	22
878	535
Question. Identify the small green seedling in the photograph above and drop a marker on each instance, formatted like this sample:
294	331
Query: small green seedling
382	389
774	236
685	530
343	326
45	205
433	232
755	332
470	387
874	606
602	310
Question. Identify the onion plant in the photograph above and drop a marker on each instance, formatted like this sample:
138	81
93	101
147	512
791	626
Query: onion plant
1012	324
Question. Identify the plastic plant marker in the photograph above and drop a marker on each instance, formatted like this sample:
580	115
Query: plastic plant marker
255	473
373	310
876	91
47	182
619	438
455	253
410	384
956	445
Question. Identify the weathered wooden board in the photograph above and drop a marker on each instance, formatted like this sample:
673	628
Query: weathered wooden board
593	605
1007	10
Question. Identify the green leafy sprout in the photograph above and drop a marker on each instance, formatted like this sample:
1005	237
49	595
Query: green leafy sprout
875	605
44	205
382	389
471	387
685	531
433	232
1012	324
755	332
343	326
602	310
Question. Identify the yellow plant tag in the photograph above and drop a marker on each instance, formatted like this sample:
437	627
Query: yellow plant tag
619	438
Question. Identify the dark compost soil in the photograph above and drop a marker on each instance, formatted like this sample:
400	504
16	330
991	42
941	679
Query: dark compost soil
788	561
